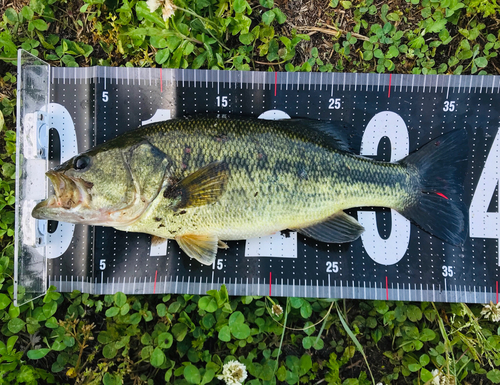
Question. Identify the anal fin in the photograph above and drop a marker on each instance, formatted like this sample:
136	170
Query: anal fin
203	248
339	228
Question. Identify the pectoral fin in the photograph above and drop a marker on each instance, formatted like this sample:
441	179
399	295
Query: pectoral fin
339	228
203	248
202	187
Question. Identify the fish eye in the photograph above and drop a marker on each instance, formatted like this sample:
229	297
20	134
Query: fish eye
81	163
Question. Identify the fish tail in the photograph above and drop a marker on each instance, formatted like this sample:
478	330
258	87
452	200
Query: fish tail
436	206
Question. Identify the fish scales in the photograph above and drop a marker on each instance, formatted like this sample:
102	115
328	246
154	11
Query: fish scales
279	178
203	180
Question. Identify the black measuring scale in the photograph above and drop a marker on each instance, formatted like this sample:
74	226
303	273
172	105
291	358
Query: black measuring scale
64	111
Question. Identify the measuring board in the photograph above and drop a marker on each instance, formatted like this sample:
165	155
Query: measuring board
64	111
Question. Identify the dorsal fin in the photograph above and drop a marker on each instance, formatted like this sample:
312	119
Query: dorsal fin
336	134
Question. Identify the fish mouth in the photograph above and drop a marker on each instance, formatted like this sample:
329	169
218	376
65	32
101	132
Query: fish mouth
69	194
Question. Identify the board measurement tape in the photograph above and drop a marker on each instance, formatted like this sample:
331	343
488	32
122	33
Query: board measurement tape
392	114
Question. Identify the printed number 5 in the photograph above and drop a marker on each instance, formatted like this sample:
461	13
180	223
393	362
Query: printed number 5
449	106
105	97
102	264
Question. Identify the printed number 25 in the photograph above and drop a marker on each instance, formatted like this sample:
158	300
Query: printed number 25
335	104
332	267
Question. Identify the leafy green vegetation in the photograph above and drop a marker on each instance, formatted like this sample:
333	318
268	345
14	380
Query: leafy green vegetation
7	161
191	339
414	36
428	37
187	339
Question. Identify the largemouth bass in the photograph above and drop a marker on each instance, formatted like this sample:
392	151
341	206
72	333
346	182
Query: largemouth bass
205	180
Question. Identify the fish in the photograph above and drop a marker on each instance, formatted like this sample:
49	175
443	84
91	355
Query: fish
204	180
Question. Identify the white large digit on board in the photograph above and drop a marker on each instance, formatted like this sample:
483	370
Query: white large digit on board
385	251
60	119
277	245
484	224
159	116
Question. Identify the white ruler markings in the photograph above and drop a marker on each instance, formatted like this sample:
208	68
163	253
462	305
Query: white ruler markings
494	85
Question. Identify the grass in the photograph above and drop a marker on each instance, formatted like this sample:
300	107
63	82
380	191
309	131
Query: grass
186	339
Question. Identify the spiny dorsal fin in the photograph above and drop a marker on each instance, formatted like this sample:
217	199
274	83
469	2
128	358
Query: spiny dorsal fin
339	228
337	134
203	248
202	187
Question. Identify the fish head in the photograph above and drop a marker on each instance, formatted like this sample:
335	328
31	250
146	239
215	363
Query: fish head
107	186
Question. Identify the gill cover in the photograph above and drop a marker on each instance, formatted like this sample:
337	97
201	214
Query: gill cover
108	185
149	167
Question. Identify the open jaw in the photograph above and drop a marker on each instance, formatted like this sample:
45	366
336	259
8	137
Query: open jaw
72	202
70	195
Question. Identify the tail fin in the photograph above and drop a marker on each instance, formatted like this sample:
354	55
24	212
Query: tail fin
438	208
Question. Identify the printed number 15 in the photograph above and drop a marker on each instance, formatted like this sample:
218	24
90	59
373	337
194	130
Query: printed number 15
222	101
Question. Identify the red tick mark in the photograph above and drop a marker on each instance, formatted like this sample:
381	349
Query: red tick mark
442	195
390	81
